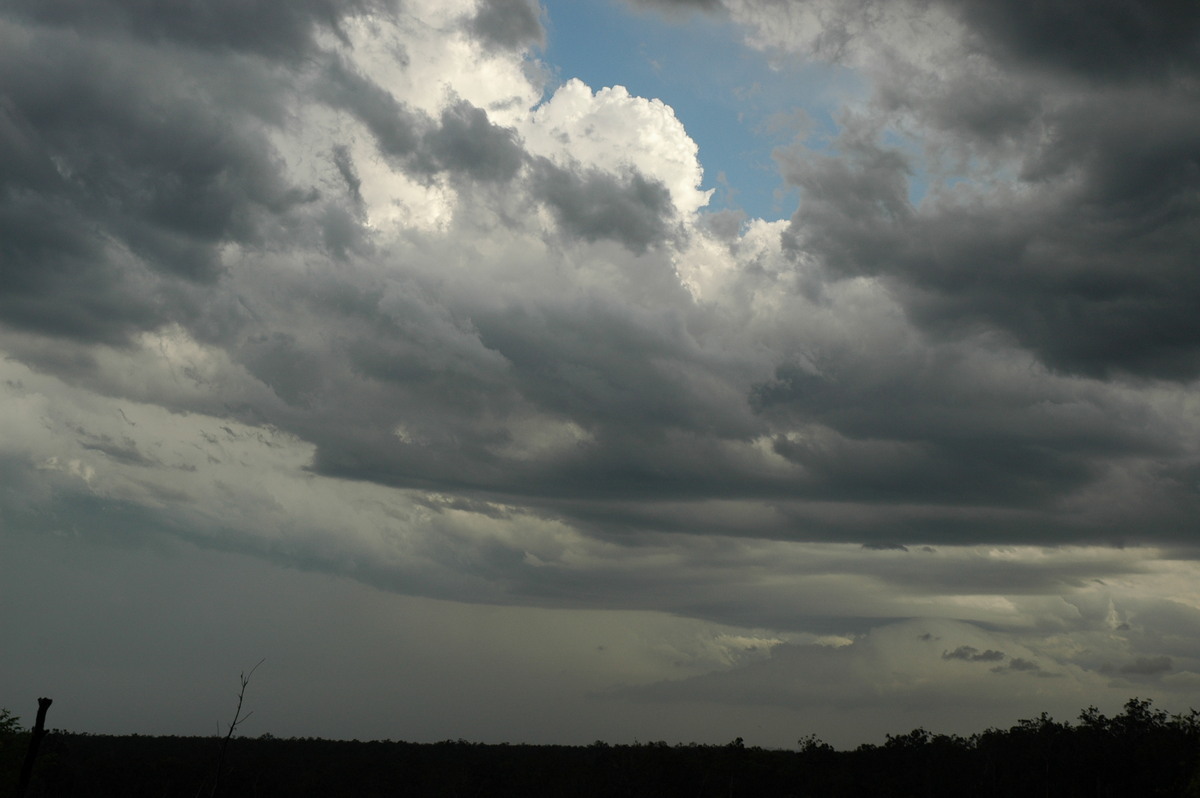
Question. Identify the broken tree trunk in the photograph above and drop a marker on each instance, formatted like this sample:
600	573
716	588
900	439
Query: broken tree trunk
35	740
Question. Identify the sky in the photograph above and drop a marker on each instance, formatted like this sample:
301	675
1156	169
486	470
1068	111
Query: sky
673	370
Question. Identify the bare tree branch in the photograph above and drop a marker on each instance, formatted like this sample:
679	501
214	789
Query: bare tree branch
238	719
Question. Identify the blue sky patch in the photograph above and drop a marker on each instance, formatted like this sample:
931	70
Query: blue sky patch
735	105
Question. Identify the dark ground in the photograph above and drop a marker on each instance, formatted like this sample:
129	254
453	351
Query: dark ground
1141	752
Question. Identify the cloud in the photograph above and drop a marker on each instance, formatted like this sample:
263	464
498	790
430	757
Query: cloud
277	29
464	321
1147	666
1112	41
888	671
511	24
611	130
347	288
396	128
598	205
972	654
467	141
672	7
1071	231
462	140
125	197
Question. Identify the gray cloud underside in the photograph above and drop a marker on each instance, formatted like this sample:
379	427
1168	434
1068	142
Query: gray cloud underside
282	29
1090	267
1115	40
1091	264
1011	371
1089	261
510	24
125	166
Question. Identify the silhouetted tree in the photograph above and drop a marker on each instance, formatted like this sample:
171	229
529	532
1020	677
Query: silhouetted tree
238	719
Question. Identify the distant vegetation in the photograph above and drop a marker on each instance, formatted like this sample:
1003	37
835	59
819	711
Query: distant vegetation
1141	752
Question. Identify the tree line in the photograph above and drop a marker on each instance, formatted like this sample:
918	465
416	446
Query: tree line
1143	751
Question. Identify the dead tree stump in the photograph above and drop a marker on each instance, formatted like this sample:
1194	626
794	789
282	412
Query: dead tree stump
35	740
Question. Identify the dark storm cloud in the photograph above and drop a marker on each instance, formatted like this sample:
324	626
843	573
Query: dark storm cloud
402	372
59	277
109	169
628	377
632	366
937	425
992	453
296	375
1090	265
466	141
972	654
462	140
1112	39
396	128
595	205
1146	666
510	24
275	28
1027	667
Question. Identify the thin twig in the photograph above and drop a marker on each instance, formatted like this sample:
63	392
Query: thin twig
238	719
